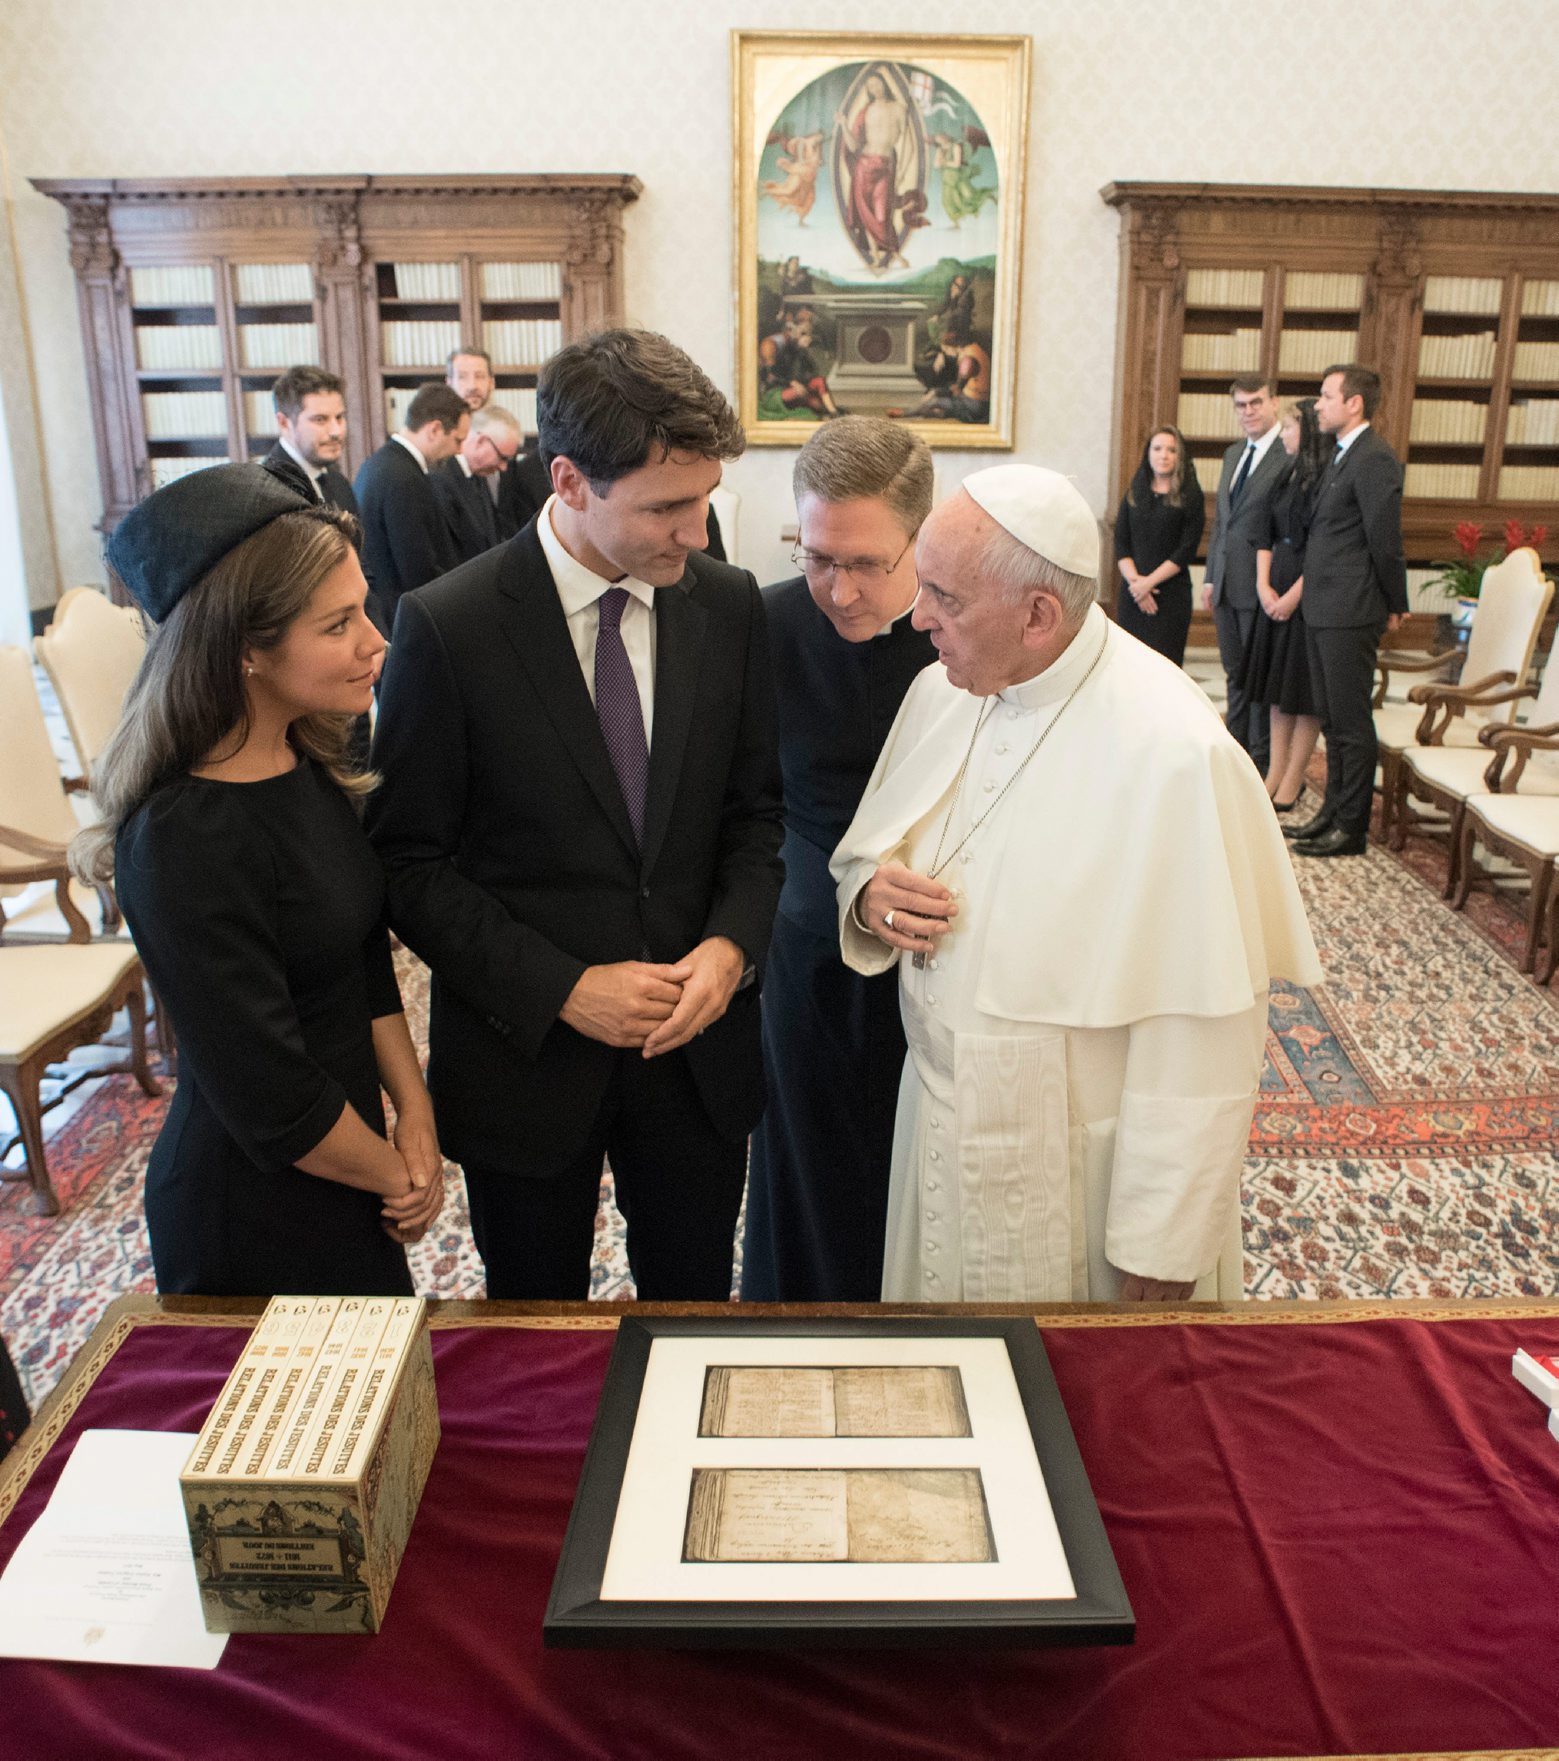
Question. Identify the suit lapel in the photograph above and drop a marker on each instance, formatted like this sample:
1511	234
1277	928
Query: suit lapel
679	641
535	627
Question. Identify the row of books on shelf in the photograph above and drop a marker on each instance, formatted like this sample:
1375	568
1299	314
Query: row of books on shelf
1313	351
1478	294
308	1393
1207	415
173	284
260	413
1447	482
165	471
425	281
1529	483
522	340
1533	423
1242	288
1308	290
181	415
1449	422
274	284
1537	360
1230	351
1540	299
1208	472
418	343
196	346
522	281
1457	357
278	345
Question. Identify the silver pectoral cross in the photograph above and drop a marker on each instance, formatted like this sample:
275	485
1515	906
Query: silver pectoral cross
919	962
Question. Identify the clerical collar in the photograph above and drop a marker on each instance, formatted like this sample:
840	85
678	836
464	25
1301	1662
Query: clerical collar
1058	679
578	586
893	623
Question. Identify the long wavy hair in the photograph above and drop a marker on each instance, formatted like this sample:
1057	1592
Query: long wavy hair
1184	486
187	699
1315	448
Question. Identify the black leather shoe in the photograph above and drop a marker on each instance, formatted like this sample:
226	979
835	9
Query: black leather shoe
1335	842
1311	828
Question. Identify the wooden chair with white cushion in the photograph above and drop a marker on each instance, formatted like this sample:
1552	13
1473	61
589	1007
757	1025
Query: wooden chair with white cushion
37	824
1517	817
1511	604
53	997
91	651
1510	612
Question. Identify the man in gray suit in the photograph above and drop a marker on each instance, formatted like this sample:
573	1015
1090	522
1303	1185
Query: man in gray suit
1251	469
1355	591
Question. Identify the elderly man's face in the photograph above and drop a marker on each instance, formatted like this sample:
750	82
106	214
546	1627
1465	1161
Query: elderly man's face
978	636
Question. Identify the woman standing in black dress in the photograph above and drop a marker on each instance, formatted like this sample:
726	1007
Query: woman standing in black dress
231	830
1156	534
1277	670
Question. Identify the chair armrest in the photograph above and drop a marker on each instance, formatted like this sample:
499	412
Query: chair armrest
1465	695
1510	756
45	861
39	849
1513	734
1392	662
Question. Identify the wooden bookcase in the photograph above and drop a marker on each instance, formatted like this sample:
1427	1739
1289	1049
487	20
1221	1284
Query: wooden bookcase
195	293
1453	297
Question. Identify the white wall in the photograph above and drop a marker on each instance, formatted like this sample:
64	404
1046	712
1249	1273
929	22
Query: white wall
1426	93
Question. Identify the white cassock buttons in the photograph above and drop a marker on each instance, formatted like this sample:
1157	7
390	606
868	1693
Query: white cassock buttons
936	1155
990	788
1001	750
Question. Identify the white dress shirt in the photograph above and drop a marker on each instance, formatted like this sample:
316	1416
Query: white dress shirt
580	590
415	451
312	472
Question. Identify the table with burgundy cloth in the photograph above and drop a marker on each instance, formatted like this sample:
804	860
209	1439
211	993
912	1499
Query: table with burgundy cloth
1338	1526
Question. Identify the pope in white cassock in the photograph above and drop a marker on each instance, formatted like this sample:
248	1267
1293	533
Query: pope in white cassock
1082	880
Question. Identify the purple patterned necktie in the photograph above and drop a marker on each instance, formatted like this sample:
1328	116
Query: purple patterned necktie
619	710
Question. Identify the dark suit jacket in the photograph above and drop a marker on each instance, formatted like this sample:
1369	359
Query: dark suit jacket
338	492
470	518
1355	572
511	862
1238	532
405	544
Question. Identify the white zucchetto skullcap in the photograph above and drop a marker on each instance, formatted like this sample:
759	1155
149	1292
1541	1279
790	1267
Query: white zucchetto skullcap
1043	510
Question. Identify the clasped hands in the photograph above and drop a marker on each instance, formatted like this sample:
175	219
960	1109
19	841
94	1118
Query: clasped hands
637	1004
408	1215
922	909
1145	596
1279	606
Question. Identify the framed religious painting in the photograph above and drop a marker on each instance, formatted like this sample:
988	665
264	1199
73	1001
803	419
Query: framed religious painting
869	1482
879	201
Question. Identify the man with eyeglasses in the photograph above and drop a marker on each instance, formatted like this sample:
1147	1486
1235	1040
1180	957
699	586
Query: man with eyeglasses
844	653
462	485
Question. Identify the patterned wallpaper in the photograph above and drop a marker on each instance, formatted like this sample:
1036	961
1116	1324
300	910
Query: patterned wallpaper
1323	91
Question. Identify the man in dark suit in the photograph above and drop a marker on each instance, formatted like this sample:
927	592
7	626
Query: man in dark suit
405	544
462	484
311	421
1251	469
580	824
1355	591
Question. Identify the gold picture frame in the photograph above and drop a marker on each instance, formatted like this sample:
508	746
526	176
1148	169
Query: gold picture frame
879	184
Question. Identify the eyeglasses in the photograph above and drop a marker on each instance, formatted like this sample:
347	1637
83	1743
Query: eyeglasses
818	568
505	459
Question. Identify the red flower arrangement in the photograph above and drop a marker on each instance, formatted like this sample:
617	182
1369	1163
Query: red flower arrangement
1463	578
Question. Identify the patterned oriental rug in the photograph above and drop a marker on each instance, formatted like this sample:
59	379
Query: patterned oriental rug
1404	1143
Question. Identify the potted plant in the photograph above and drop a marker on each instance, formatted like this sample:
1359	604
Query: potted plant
1463	578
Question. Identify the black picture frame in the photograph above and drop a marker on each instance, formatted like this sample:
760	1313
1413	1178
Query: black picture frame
1099	1614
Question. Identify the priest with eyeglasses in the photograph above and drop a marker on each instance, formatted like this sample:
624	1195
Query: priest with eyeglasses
844	653
1077	875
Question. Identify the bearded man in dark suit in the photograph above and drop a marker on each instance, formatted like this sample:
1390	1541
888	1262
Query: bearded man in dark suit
580	825
311	425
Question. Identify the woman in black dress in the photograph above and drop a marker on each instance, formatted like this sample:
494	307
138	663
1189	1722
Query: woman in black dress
1156	534
1277	671
231	829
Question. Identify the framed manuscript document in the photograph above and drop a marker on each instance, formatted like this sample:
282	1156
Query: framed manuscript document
868	1482
879	203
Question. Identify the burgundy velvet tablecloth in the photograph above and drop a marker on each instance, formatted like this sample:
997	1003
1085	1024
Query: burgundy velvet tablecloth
1337	1538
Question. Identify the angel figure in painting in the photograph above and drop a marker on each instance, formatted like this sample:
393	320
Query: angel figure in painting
962	197
883	199
800	162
